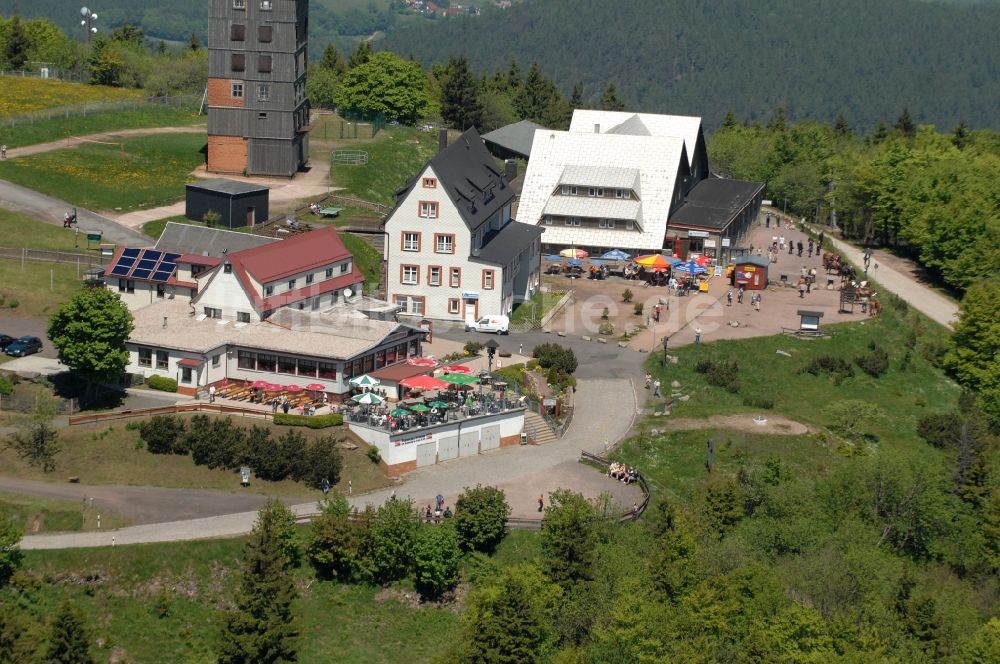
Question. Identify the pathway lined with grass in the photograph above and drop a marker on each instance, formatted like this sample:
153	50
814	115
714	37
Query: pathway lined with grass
102	137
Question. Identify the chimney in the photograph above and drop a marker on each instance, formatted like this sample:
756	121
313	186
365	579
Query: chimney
597	129
442	139
510	169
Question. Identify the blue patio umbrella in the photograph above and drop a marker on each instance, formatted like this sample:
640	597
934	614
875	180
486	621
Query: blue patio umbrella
553	257
574	262
691	268
616	255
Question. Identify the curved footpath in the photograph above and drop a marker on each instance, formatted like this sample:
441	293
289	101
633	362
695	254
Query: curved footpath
605	406
924	299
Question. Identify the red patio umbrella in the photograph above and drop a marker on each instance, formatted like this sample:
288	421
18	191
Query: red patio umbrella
316	387
703	260
261	384
423	383
292	388
421	362
458	368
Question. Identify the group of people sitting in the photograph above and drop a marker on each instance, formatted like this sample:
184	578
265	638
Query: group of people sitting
598	272
623	473
434	516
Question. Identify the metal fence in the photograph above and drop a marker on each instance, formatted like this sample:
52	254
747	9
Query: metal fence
193	102
44	256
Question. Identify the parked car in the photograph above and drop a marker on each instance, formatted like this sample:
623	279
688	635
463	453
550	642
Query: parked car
498	324
24	346
5	341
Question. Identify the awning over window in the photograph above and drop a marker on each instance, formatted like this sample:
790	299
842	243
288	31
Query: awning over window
190	362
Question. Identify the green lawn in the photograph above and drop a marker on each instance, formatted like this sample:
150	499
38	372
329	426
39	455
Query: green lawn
392	160
50	514
44	131
36	289
543	303
146	171
112	454
20	230
369	260
675	462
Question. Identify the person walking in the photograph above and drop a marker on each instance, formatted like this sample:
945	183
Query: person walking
739	294
729	298
819	242
211	394
791	248
756	302
799	247
810	247
3	151
697	335
767	223
781	243
802	287
656	387
649	381
541	502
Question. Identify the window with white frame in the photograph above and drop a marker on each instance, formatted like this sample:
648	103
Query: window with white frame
548	220
411	241
309	278
212	312
434	275
410	275
263	91
488	277
162	359
345	267
268	291
428	209
265	5
630	225
417	305
606	223
239	4
329	272
291	284
444	244
186	374
217	360
621	193
567	190
453	304
402	302
237	90
145	357
455	277
572	221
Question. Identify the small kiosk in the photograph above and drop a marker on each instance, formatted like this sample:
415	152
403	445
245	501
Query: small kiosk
750	272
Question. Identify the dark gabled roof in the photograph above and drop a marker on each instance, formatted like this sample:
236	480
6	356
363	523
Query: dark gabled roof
224	186
516	137
502	246
467	172
713	203
201	241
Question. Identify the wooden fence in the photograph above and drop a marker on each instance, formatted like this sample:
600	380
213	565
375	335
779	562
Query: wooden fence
198	406
44	256
631	515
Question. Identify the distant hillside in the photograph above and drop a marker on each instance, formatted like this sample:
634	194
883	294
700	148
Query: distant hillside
865	59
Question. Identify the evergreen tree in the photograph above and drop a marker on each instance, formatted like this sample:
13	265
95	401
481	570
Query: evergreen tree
194	44
991	528
128	34
905	125
610	101
18	44
841	127
730	121
161	48
503	624
961	135
332	60
881	134
461	107
361	55
576	97
69	642
778	121
262	628
569	537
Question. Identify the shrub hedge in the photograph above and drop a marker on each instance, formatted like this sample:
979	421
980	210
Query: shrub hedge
313	422
162	384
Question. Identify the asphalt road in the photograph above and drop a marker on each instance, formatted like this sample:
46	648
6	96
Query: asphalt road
51	210
15	326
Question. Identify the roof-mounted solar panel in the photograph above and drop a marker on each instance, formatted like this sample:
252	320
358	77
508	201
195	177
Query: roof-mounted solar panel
162	275
146	264
120	271
131	253
141	273
127	262
152	255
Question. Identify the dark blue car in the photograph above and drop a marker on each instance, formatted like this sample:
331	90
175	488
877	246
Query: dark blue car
24	346
5	341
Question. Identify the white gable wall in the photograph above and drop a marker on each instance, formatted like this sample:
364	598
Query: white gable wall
221	290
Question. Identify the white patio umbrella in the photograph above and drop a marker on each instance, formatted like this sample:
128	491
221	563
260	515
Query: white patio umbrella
367	399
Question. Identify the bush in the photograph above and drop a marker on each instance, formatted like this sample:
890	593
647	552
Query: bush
758	402
313	422
838	368
637	309
512	375
472	347
6	386
606	329
162	384
260	453
214	443
939	429
875	362
436	556
550	354
161	434
374	454
720	373
481	518
627	296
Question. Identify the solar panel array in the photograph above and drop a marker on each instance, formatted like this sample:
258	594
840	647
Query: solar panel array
146	264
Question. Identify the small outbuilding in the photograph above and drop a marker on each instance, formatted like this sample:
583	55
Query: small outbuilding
237	203
750	272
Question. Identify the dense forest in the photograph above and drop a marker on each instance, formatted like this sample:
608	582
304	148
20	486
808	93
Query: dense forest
866	60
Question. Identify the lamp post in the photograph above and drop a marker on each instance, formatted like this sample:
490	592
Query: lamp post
88	22
666	341
491	350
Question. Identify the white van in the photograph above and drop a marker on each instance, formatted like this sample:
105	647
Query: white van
498	324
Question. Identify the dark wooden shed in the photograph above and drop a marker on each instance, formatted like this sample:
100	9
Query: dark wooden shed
237	203
751	272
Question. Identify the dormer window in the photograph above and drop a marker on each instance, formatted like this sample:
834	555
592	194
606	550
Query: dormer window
567	190
488	194
228	268
621	193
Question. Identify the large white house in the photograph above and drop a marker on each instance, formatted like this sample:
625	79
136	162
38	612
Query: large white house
288	311
634	181
452	250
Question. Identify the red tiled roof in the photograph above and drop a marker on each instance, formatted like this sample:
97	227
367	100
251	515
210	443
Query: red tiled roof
196	259
296	254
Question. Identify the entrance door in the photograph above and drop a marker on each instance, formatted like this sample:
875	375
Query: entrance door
470	309
490	439
426	454
251	214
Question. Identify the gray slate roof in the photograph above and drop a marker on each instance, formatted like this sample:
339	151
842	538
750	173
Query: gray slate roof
515	137
467	171
198	240
508	242
224	186
715	202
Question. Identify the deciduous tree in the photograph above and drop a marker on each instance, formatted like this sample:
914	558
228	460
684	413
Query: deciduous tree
90	331
481	517
10	551
436	554
37	440
569	536
385	85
